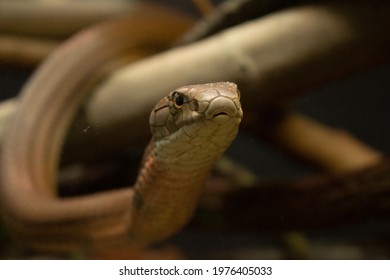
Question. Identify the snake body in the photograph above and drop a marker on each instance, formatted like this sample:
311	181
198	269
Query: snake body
191	127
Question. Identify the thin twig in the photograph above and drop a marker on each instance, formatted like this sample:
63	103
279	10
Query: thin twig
205	7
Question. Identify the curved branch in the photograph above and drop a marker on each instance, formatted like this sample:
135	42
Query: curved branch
273	59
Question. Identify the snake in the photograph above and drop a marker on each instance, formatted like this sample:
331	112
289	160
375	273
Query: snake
191	127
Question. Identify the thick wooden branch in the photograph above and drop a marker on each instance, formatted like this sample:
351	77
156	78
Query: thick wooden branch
273	59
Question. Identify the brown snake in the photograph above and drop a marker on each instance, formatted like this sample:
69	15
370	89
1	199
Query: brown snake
191	128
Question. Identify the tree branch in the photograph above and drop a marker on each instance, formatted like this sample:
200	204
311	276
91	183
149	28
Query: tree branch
315	202
273	59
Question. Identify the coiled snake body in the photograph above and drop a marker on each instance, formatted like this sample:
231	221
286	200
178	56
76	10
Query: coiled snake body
191	128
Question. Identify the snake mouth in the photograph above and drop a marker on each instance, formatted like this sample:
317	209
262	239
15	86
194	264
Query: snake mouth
222	108
220	114
222	117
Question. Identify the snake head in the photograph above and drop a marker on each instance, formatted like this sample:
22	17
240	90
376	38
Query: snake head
203	116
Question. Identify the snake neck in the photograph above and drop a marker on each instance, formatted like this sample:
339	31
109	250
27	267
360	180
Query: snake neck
158	200
191	128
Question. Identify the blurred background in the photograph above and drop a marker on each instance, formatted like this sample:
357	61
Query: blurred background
357	102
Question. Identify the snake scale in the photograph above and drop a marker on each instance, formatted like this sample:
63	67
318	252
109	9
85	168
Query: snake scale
191	127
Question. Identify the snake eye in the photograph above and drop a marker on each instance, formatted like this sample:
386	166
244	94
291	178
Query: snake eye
178	100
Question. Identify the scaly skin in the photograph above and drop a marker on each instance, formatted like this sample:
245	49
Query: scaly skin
31	208
186	142
170	181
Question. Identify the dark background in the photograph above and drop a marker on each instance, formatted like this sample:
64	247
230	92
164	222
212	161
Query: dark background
359	104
